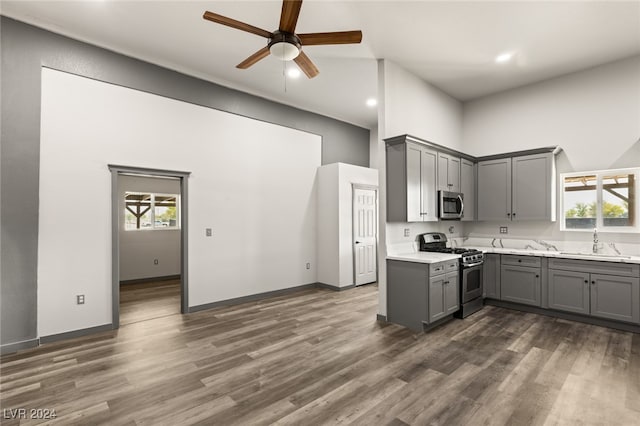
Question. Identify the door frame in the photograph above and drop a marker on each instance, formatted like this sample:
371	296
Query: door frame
116	171
374	188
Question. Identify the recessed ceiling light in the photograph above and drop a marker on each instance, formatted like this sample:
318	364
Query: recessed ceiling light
504	57
371	102
293	72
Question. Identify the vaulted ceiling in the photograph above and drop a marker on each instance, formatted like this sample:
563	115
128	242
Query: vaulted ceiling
451	44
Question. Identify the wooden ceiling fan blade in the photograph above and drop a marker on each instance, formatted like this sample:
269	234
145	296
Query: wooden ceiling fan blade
289	15
306	65
260	54
338	37
219	19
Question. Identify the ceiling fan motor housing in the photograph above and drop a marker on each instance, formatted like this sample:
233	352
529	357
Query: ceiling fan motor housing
288	51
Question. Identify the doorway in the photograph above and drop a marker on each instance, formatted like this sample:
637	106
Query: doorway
150	215
365	239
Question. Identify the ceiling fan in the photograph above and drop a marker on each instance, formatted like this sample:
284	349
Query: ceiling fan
284	43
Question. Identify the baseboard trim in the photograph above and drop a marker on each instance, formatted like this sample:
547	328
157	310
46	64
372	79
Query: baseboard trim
251	297
10	348
565	315
151	279
335	288
76	333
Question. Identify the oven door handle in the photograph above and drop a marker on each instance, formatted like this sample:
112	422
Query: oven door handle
471	265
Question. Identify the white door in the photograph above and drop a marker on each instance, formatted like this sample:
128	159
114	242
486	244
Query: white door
365	224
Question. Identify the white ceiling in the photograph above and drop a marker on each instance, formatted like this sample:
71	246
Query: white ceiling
451	44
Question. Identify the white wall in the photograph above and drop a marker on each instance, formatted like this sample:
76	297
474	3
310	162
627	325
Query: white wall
413	106
328	225
139	248
409	105
594	115
252	182
335	220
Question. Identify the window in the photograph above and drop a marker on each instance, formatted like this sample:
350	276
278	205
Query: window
150	211
604	199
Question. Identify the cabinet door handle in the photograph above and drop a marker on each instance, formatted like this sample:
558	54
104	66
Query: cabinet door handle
513	214
537	276
593	282
423	213
509	214
519	260
586	281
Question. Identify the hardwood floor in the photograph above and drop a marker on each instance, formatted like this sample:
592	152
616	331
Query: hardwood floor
145	301
319	357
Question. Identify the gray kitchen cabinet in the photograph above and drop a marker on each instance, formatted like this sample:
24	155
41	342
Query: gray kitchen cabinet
468	188
520	284
407	293
419	294
600	289
520	279
448	172
411	183
494	190
533	187
569	291
615	297
491	276
518	188
443	296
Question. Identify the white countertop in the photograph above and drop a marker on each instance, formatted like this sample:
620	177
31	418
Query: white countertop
565	255
423	257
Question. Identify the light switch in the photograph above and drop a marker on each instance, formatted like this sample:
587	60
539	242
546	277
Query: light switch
504	230
407	232
208	232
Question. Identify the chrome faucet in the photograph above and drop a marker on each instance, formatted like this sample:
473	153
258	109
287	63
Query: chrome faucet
595	240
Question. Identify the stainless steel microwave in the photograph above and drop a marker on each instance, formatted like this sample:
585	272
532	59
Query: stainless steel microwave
450	205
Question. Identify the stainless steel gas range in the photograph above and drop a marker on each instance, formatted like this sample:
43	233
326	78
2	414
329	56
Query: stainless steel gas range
471	264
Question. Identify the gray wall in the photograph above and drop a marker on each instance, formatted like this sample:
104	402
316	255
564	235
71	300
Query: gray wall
25	49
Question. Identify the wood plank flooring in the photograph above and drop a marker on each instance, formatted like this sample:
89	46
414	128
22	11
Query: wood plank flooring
145	301
319	357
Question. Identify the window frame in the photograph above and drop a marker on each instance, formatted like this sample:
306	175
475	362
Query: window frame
600	174
152	211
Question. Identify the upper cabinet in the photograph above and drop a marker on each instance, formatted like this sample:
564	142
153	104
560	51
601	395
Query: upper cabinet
517	188
512	186
448	172
468	188
411	183
494	189
534	189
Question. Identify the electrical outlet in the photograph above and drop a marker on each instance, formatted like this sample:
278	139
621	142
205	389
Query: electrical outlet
208	232
155	261
80	299
504	230
308	265
407	232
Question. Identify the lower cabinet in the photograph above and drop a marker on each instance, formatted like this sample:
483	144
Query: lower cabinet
491	276
599	295
443	296
520	284
569	291
520	280
421	293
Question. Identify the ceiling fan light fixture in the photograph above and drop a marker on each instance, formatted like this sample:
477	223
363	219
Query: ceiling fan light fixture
293	72
284	51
